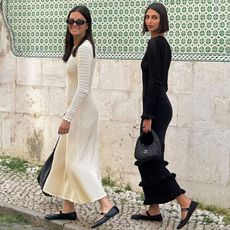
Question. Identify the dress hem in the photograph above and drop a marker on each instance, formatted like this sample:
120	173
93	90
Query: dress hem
165	200
74	201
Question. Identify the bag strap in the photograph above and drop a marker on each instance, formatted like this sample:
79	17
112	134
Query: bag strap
57	142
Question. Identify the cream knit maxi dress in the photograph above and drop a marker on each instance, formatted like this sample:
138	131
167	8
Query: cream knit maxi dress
75	173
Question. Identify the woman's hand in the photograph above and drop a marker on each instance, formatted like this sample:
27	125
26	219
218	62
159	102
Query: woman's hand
147	125
64	127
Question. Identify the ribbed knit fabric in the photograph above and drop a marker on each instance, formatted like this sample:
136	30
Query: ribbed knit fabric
75	173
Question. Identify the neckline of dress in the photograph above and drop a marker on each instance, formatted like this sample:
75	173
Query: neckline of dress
158	36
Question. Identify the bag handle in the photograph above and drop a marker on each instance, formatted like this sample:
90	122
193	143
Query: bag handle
148	138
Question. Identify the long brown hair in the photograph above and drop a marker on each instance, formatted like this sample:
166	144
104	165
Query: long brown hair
69	43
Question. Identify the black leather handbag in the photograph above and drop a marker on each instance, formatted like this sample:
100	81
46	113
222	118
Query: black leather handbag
148	147
45	170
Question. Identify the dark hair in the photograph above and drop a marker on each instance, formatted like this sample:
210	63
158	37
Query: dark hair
69	42
160	9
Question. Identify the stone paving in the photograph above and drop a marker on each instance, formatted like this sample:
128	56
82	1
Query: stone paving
6	226
22	190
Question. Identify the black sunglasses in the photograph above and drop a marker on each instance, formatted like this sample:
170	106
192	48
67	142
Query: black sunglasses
78	22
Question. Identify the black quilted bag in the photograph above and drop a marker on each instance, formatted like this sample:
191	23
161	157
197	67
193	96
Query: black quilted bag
148	147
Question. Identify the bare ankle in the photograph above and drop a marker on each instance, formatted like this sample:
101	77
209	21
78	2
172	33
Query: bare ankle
68	207
154	209
106	205
183	201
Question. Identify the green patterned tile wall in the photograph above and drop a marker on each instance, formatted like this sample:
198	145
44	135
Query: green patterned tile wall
199	29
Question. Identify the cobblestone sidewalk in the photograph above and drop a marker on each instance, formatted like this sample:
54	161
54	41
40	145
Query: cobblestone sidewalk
23	191
19	227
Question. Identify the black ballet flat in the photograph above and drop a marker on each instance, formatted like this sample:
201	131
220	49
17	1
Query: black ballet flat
62	216
106	216
190	211
148	217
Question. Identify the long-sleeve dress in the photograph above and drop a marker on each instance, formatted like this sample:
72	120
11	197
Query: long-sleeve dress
159	185
75	173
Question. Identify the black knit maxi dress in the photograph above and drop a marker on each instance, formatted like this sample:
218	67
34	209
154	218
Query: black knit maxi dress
159	185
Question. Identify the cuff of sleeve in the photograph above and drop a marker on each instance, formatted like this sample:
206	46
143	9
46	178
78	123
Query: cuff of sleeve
147	116
66	118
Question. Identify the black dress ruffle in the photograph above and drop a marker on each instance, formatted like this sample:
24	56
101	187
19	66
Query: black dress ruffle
158	184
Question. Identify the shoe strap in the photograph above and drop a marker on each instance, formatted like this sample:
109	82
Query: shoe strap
187	209
184	209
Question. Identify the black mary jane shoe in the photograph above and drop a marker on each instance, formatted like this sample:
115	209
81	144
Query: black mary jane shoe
106	216
62	216
147	217
190	211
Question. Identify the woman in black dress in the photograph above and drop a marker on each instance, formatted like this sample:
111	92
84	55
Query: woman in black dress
159	185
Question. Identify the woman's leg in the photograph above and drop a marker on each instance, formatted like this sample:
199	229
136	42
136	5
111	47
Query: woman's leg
153	213
184	202
67	212
68	207
188	206
154	209
106	205
108	210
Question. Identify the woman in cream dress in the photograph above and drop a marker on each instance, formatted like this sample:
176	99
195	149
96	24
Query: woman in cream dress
75	174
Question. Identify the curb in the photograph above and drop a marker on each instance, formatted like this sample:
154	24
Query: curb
38	218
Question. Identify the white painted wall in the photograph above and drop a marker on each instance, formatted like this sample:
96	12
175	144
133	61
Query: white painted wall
197	142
